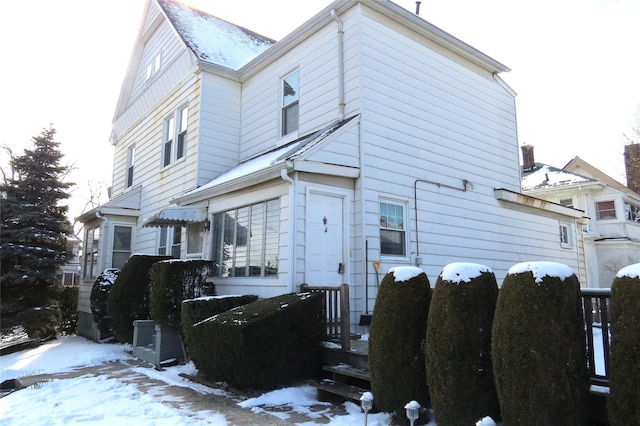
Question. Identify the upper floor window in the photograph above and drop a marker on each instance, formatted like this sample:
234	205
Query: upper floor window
121	245
632	211
605	210
131	157
392	229
175	129
245	240
290	98
170	241
152	67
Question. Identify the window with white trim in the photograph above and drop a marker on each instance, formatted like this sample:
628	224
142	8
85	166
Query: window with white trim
290	98
392	229
246	240
170	241
566	235
567	202
195	236
91	245
152	67
121	245
605	210
131	157
175	129
632	211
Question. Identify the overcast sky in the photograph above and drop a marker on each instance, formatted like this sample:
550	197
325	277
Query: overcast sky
575	66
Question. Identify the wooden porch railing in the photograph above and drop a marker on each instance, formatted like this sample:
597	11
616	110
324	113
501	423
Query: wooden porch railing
336	312
595	304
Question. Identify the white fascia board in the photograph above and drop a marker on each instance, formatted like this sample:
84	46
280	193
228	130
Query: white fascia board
324	168
528	201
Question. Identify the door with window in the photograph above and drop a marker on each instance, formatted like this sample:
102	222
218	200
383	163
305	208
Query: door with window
325	260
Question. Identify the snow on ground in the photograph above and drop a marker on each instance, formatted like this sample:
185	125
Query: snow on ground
104	400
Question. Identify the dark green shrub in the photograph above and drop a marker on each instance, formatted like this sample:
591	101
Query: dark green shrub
458	345
624	364
41	323
68	298
396	341
539	349
99	298
129	296
173	281
262	345
196	310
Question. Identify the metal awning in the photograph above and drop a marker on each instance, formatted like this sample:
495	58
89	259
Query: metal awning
176	215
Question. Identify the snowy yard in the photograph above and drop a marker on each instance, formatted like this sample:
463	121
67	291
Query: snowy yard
104	400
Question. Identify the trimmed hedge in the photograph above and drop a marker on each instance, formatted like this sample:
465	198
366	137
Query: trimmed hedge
41	323
624	365
173	281
263	345
68	297
458	345
539	346
129	296
99	298
196	310
396	341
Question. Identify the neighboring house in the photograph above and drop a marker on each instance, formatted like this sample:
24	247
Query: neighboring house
70	271
367	127
612	233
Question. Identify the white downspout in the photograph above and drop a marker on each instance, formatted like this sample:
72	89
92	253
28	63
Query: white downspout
292	227
102	252
334	15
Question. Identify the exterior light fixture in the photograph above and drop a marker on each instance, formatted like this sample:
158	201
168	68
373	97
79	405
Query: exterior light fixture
413	411
366	402
207	225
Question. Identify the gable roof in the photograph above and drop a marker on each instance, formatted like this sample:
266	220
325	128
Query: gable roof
212	39
543	176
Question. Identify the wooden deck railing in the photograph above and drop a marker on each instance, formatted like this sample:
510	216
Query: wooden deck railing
336	312
595	304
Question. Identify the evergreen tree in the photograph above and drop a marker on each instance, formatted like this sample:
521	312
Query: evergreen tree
34	229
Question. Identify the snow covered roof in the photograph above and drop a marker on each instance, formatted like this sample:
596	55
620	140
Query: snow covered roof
274	158
212	39
546	177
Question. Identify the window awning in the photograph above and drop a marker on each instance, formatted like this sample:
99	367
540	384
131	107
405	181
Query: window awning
176	215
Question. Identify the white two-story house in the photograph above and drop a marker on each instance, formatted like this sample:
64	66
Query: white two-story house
612	232
367	134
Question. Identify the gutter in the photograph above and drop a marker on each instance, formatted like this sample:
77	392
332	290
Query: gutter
336	18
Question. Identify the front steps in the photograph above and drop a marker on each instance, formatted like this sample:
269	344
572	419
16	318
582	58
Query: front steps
345	374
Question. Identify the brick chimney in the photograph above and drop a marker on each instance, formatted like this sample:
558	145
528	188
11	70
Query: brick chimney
632	165
528	160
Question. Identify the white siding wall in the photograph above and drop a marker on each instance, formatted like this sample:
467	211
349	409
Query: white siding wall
427	115
219	126
316	58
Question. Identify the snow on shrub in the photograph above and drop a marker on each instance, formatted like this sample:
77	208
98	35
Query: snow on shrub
396	340
458	344
98	300
624	365
539	354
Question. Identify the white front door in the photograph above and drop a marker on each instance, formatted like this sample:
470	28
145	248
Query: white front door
325	262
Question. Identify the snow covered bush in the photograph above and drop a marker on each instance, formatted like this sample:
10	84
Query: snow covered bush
396	341
539	354
262	345
458	345
624	367
173	281
98	300
199	309
129	296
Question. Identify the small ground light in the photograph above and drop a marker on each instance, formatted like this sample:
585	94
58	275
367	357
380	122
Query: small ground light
413	411
366	402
